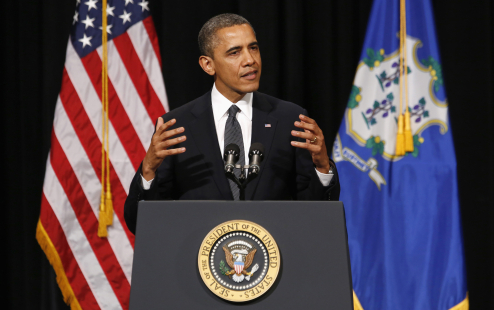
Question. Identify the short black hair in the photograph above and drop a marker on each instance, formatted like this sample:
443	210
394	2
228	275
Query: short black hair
207	36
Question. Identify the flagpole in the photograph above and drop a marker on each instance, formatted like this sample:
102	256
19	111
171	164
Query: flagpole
400	137
408	129
106	205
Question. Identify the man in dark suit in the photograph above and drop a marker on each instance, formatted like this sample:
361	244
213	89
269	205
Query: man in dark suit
184	160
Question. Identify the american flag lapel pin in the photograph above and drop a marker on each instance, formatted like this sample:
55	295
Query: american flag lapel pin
267	125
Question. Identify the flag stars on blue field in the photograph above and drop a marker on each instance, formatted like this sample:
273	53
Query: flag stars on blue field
88	21
125	17
91	4
108	28
109	10
144	5
85	41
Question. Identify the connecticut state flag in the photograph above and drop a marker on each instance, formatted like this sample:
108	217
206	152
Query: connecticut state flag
403	217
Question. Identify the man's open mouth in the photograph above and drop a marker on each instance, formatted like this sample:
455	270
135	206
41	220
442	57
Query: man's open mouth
250	75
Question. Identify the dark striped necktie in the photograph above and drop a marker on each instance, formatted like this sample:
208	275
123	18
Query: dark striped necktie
233	134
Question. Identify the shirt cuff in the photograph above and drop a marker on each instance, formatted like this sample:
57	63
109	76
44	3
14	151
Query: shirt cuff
323	177
147	184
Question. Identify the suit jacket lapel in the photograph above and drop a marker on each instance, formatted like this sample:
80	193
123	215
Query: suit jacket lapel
203	131
262	134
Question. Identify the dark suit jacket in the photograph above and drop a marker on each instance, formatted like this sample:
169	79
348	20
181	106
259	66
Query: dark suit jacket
198	173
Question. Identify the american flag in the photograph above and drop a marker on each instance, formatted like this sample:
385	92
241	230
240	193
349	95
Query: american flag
94	272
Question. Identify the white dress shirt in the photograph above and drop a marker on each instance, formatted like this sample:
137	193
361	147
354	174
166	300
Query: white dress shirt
244	117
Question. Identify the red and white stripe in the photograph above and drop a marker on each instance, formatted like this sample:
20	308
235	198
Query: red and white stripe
99	269
239	267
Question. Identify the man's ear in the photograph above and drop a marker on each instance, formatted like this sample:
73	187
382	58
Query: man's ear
207	64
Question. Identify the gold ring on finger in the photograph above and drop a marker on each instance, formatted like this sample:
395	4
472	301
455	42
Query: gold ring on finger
313	140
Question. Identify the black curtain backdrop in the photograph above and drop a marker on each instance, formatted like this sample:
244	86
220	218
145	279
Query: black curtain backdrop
310	50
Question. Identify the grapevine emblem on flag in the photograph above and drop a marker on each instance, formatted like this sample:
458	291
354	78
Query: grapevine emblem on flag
372	112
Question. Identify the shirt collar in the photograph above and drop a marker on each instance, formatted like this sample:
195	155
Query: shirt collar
221	104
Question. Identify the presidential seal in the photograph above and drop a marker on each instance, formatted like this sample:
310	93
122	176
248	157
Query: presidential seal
239	260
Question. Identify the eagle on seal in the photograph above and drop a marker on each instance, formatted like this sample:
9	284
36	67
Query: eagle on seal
239	261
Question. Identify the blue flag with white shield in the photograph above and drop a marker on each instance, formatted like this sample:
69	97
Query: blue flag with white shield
396	161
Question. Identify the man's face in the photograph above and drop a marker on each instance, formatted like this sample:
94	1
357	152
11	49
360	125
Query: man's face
237	62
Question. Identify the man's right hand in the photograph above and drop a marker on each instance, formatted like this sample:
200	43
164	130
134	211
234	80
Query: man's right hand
158	149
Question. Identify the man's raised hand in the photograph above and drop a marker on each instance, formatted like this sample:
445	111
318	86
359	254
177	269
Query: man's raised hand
160	145
314	142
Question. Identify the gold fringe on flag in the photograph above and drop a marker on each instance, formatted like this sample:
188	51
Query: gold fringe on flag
54	259
106	203
464	305
356	303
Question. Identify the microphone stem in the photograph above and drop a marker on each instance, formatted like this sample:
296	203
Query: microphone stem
242	182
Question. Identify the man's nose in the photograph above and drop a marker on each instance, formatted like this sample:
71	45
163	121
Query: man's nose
248	59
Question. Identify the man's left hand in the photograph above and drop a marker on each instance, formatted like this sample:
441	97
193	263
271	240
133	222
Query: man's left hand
314	142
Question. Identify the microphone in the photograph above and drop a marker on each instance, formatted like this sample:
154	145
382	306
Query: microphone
256	155
231	156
